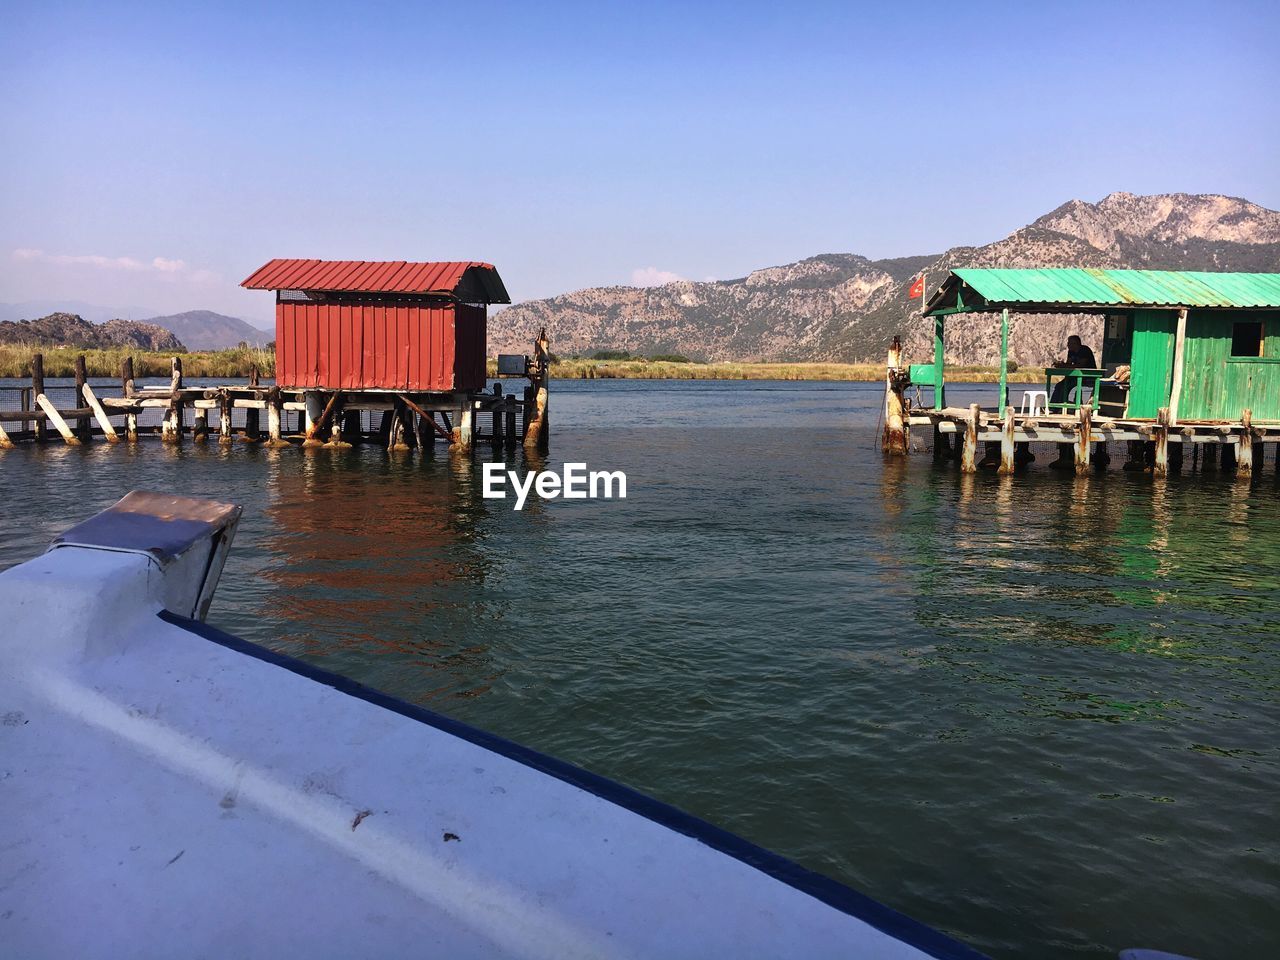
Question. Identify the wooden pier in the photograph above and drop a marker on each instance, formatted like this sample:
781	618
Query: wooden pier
1083	440
275	416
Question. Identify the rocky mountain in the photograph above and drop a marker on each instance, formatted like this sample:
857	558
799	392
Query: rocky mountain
72	330
206	330
93	312
781	313
846	307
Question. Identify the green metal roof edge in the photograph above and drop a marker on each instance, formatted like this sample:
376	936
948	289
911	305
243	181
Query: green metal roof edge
1129	288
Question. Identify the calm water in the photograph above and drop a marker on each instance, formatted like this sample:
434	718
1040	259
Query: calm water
1039	713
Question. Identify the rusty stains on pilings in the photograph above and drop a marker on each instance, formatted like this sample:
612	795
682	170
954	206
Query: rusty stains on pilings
1084	440
313	431
537	435
1160	466
896	440
1244	453
969	452
1008	451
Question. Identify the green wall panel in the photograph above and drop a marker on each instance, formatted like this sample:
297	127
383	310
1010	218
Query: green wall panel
1151	369
1216	386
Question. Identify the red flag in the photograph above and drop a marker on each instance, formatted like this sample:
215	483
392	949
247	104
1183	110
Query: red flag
917	288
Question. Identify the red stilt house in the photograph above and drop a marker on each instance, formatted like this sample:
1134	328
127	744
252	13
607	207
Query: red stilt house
361	325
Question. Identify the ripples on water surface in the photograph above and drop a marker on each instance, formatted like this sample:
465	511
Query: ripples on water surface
1039	712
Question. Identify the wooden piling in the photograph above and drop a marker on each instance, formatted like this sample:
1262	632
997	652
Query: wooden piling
171	428
126	391
336	423
969	453
399	434
99	414
82	431
895	441
497	438
55	418
225	406
350	430
1244	455
538	434
1137	455
316	424
464	428
5	441
427	423
200	424
1007	449
40	429
1228	459
252	417
1084	440
511	436
1160	466
274	416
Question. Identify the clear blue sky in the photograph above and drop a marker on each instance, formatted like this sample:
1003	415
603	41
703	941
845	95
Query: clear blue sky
157	154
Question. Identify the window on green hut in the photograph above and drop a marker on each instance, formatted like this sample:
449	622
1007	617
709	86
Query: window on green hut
1246	338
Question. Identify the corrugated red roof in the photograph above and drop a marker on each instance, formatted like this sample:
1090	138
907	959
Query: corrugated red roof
387	276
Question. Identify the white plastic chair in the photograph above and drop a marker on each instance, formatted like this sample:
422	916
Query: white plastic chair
1034	402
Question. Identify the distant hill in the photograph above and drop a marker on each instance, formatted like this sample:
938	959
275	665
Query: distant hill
93	312
206	330
72	330
845	307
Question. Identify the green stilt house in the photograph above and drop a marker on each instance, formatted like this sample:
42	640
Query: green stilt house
1204	346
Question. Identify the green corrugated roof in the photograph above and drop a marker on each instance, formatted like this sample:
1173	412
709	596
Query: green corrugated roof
1043	289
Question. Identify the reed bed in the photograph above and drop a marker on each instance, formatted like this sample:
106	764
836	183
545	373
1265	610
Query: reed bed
59	361
638	369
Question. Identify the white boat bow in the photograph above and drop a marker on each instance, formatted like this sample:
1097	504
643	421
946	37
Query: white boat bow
169	790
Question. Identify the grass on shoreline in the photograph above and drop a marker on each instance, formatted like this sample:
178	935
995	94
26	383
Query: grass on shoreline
15	361
663	370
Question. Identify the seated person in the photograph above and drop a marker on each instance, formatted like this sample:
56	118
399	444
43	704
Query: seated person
1079	357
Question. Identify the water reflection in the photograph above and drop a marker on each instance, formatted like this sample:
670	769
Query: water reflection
376	564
